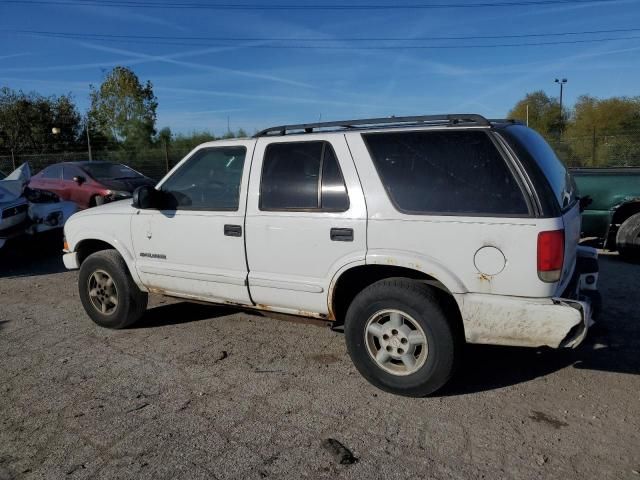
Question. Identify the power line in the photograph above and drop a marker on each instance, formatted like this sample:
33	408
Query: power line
103	36
150	41
284	6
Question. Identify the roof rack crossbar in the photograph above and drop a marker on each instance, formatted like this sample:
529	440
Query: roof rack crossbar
452	119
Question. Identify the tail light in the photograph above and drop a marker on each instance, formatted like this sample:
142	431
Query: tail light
550	255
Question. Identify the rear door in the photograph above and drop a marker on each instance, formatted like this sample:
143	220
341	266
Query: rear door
194	245
306	219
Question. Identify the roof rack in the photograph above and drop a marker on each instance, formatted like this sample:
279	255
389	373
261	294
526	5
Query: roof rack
506	120
451	119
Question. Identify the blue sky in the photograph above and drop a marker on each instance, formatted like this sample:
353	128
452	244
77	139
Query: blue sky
199	84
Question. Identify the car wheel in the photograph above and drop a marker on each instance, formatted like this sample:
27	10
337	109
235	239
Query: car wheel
108	293
400	338
628	238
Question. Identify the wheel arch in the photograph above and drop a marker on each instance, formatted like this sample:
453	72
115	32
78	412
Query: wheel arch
619	213
350	281
95	243
624	210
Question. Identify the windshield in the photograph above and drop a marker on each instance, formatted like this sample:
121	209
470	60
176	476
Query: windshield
103	171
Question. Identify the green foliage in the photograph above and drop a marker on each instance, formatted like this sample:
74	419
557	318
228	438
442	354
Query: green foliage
596	132
123	109
27	120
544	113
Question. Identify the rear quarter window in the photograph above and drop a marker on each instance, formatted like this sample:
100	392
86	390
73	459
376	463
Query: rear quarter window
443	172
562	184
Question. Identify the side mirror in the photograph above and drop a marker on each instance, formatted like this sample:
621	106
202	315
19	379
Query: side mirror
145	197
79	179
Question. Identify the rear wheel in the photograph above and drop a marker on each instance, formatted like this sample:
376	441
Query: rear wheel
108	293
628	238
400	339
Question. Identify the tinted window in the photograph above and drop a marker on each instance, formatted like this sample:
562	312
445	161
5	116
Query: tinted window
334	192
68	172
210	180
445	172
554	170
54	171
302	176
110	171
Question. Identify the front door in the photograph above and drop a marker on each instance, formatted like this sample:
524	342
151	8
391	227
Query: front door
194	244
306	219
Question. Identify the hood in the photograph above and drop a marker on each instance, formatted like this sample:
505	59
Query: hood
127	184
12	186
119	207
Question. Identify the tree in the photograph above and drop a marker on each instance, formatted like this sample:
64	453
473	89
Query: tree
123	109
544	113
606	131
27	120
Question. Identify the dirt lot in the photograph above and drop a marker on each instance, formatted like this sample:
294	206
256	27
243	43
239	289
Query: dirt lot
207	392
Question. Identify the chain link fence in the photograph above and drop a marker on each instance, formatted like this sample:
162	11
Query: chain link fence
154	163
596	150
599	150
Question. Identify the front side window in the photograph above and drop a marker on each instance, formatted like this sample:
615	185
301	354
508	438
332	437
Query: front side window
209	180
302	176
52	172
68	172
445	172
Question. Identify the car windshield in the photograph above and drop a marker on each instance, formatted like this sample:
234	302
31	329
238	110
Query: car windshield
110	171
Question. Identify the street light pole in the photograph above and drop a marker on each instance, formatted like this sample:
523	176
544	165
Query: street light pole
561	83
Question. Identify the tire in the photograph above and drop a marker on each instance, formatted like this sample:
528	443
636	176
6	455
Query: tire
116	301
628	238
420	312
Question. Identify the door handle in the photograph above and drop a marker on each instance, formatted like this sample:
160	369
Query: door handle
233	230
341	234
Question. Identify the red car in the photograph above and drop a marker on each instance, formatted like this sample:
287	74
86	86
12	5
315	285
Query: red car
90	183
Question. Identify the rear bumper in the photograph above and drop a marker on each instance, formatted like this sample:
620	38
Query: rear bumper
534	322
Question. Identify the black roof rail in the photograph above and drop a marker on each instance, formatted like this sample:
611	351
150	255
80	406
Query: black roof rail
450	119
506	120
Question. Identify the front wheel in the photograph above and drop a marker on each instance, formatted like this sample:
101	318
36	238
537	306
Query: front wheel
108	293
400	338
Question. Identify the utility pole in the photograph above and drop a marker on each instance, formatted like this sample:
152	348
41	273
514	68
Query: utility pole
228	128
13	159
166	153
89	141
527	114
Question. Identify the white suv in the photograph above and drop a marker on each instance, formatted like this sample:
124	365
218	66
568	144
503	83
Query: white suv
417	233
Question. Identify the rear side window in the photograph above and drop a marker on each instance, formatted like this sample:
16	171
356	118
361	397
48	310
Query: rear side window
302	176
554	170
445	172
53	172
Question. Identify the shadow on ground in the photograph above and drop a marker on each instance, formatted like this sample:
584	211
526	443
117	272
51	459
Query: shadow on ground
612	345
182	312
32	256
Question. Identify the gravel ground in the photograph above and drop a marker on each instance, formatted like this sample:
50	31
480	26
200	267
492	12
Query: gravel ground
199	391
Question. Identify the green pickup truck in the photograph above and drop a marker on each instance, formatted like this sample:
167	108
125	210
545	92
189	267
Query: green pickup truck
613	216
